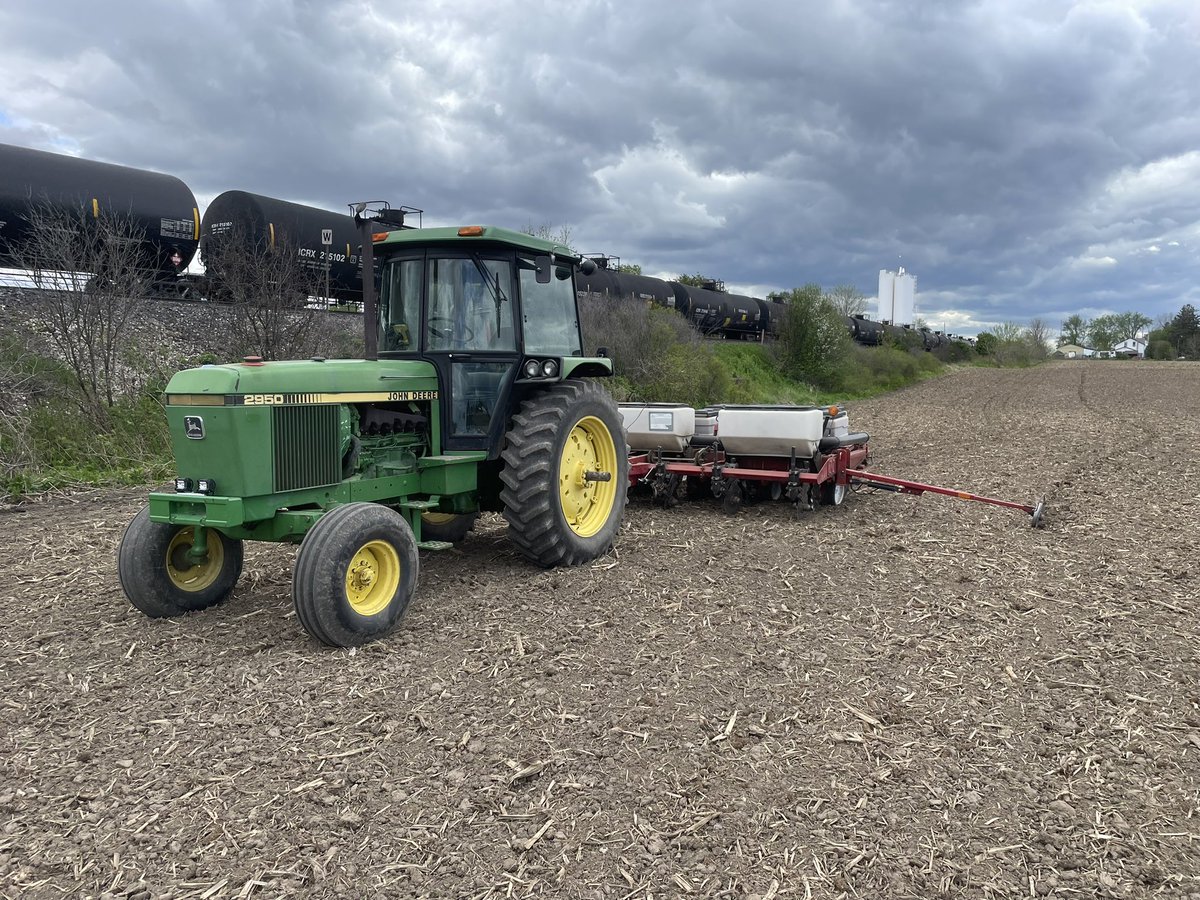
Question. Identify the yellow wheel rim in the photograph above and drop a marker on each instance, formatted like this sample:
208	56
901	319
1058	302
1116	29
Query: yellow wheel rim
587	504
373	577
437	518
189	576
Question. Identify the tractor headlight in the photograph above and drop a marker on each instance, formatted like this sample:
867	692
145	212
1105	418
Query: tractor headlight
532	368
183	485
206	486
550	368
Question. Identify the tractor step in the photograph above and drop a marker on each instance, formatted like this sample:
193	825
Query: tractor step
434	545
421	505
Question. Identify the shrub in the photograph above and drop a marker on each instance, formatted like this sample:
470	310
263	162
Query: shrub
1160	350
871	370
813	343
656	355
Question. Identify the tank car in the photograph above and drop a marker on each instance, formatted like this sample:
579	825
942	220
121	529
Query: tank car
646	288
772	312
601	283
900	334
161	208
266	223
716	312
868	332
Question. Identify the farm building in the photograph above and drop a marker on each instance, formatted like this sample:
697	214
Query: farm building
1131	347
1072	351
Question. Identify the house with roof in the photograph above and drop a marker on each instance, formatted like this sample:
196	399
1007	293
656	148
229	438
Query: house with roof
1132	347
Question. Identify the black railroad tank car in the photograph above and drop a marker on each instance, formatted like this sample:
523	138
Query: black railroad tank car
868	332
602	283
264	223
743	317
702	307
773	312
646	289
720	314
159	207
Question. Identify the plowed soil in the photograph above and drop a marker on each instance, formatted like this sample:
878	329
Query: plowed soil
902	697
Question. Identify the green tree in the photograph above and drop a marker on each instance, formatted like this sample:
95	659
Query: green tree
985	343
1103	332
813	345
629	269
1074	330
1159	348
1129	325
696	280
1184	332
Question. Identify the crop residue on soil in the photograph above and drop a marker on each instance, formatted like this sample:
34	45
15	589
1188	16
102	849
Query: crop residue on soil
901	697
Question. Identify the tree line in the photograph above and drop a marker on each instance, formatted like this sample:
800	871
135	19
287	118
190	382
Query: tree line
1175	338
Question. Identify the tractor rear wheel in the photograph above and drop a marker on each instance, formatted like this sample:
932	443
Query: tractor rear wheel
451	527
355	573
161	580
566	474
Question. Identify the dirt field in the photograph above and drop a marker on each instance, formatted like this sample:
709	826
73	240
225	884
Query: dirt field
903	697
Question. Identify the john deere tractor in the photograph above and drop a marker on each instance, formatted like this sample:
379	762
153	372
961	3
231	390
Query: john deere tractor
474	396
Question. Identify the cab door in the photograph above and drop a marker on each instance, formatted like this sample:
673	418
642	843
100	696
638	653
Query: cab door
469	334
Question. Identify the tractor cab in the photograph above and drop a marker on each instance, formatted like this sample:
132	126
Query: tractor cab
494	311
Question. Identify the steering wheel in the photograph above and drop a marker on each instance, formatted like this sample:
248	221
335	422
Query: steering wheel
446	332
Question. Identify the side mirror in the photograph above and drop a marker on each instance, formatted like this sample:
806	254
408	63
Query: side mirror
543	269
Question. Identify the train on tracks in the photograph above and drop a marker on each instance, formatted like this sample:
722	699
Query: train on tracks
715	312
165	213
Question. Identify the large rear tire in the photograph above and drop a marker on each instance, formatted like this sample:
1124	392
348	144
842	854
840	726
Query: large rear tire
355	574
158	577
438	526
556	513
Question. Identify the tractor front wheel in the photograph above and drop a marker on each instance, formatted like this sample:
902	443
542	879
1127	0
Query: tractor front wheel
566	474
355	573
161	578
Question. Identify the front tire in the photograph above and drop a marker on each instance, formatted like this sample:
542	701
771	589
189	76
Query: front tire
556	514
158	577
355	574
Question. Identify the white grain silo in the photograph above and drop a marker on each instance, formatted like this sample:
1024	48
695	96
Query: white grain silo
897	297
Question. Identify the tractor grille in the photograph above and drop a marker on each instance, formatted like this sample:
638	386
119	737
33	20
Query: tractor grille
306	447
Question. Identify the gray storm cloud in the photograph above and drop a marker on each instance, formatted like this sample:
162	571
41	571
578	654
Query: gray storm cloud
1023	158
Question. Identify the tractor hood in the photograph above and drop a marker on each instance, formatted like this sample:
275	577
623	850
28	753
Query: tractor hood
353	380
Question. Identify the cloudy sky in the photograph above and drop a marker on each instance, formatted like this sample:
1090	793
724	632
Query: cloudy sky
1024	158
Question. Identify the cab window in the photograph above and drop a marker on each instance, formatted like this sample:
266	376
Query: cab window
400	306
469	305
549	320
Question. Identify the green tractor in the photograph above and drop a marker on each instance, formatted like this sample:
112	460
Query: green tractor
474	396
